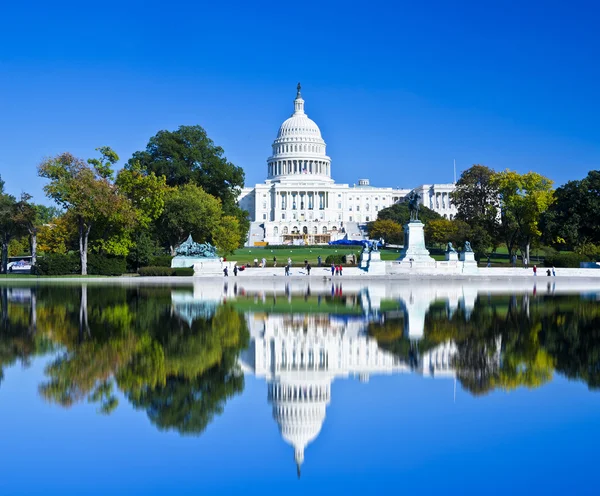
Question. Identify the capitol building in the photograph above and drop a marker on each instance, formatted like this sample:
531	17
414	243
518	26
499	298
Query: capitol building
300	203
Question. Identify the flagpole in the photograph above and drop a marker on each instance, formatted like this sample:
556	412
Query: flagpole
454	171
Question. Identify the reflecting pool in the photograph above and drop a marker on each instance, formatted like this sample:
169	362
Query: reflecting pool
258	387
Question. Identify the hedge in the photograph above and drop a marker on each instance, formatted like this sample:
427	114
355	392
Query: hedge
165	271
160	261
104	265
565	260
58	264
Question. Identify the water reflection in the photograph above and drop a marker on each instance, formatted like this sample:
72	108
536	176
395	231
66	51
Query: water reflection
179	354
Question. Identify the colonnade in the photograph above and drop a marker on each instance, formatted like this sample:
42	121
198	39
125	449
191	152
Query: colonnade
301	200
439	201
299	392
284	167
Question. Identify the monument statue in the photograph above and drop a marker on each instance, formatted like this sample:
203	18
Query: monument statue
468	247
189	248
413	205
450	248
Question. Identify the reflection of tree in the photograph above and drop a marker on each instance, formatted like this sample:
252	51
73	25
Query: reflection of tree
132	341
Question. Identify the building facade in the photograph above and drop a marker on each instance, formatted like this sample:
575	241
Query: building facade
300	203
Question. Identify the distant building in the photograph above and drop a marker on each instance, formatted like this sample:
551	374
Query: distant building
301	203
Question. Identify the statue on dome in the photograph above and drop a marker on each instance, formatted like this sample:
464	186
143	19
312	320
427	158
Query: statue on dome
299	87
413	205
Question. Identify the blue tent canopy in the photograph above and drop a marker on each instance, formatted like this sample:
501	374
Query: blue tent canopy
356	242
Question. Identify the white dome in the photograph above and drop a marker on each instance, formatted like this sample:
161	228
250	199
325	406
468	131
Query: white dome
300	126
299	149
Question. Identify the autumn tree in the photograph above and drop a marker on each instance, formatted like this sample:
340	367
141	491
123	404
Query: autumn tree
86	190
523	200
387	229
226	235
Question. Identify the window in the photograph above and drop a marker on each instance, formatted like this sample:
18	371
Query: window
285	229
350	208
376	208
358	208
350	219
324	229
305	230
339	205
265	205
315	230
367	218
264	216
276	231
283	215
334	228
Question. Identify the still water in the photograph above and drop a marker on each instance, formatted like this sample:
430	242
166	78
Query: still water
320	388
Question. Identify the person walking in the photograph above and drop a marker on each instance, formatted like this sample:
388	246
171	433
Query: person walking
287	270
274	261
535	270
235	270
305	263
264	262
319	261
332	269
553	272
340	269
225	272
289	261
308	269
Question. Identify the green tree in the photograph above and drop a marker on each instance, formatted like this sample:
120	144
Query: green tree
189	156
400	214
523	200
226	235
87	192
572	220
440	231
476	199
387	229
10	225
188	210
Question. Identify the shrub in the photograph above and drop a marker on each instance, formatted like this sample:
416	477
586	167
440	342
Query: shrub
183	271
103	265
156	271
160	261
165	271
58	264
563	259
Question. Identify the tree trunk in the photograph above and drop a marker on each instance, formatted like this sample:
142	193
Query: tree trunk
33	317
527	253
84	329
33	247
4	256
84	234
172	250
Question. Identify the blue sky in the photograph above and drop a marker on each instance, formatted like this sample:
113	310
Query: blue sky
399	89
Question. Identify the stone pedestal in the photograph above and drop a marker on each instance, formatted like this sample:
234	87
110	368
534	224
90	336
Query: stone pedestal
364	260
469	262
467	256
451	256
208	267
179	261
376	265
414	247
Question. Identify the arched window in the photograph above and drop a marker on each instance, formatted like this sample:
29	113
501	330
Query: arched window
285	229
334	228
324	229
305	230
315	230
276	231
295	230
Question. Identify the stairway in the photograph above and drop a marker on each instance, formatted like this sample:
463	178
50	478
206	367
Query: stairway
256	233
353	232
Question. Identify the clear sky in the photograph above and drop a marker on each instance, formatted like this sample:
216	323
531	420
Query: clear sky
399	89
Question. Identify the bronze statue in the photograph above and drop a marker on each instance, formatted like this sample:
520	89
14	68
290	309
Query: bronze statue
468	247
413	205
189	248
450	248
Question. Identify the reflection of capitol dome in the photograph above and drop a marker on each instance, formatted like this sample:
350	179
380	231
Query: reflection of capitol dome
300	412
299	150
300	356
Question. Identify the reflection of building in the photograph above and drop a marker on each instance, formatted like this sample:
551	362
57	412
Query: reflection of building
300	201
300	356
